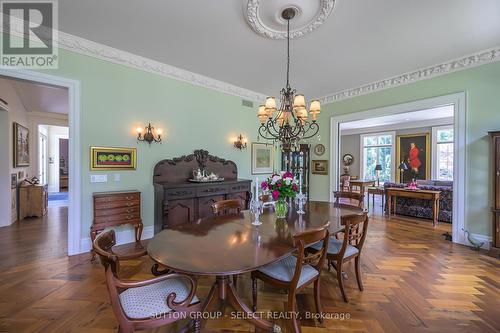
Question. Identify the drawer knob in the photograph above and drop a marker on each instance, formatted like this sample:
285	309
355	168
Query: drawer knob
129	204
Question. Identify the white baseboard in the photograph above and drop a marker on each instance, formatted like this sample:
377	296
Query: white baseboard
124	235
482	238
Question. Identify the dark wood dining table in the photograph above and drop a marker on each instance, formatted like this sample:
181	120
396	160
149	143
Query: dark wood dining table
223	246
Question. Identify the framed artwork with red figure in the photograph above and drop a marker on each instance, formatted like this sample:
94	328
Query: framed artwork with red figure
415	151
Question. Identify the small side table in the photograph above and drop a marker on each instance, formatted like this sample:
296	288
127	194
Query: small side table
374	190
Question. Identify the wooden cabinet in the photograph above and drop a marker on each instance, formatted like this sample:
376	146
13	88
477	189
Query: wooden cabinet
297	162
116	208
33	200
495	158
179	201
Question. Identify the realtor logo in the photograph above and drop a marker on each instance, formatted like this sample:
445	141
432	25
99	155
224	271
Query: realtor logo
30	34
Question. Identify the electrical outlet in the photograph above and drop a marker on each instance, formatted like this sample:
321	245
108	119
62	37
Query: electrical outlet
98	178
117	177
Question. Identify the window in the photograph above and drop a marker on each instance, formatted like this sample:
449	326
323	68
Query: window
442	157
376	149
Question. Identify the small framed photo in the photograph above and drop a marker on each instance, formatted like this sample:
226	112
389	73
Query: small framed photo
262	158
113	158
320	167
13	180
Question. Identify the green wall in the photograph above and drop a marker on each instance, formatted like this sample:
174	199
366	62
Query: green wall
116	99
482	86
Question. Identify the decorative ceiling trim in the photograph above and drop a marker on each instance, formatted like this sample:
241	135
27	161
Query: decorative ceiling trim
104	52
473	60
93	49
253	19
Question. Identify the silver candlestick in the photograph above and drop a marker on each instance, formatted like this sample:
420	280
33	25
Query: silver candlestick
300	200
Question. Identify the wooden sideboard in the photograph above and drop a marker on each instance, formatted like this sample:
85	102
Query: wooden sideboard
33	200
179	201
495	158
114	209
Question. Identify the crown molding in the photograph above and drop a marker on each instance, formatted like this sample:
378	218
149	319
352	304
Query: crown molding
473	60
89	48
45	114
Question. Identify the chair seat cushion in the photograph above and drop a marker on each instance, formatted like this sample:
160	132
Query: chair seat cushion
334	246
284	269
151	300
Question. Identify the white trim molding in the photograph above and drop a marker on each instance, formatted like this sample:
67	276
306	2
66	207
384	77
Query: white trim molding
472	60
100	51
75	151
458	100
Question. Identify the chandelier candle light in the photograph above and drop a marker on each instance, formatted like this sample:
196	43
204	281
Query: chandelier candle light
289	123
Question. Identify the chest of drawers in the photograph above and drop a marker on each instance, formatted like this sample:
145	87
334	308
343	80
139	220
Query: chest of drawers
114	209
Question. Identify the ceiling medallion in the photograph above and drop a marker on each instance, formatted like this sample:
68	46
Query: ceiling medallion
264	16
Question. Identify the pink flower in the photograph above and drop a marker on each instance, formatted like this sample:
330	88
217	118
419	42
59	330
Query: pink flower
288	174
295	187
264	185
276	194
278	183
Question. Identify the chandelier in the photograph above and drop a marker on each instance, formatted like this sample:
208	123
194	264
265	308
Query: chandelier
291	122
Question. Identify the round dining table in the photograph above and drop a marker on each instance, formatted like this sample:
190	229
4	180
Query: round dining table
227	245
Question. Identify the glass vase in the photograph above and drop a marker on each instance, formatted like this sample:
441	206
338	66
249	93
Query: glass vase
281	208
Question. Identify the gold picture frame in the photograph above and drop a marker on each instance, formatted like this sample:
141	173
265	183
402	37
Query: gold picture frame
319	167
402	155
21	146
112	158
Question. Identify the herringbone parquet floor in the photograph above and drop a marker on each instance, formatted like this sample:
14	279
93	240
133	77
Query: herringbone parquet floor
414	282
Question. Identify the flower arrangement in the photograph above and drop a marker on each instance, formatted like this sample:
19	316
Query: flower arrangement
281	186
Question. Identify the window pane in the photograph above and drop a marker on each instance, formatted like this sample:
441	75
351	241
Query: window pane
370	161
445	135
445	161
385	140
385	161
370	140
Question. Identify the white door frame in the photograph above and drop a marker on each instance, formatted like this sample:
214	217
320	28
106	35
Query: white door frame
458	100
44	167
75	151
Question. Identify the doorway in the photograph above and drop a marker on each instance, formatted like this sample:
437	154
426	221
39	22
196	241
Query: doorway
73	101
457	102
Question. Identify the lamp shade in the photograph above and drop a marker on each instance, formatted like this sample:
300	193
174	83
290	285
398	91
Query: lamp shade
378	167
301	112
315	106
299	101
271	103
261	111
403	166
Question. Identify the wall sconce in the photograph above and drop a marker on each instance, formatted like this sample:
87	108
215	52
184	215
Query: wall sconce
239	142
149	137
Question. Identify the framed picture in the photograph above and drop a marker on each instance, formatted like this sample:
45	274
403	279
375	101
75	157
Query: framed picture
319	149
113	158
21	146
262	158
414	151
13	180
320	167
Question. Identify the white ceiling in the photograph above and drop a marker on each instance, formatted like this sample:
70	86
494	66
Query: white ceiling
361	41
402	120
41	98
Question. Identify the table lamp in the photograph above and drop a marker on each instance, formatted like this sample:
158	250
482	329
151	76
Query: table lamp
402	167
378	168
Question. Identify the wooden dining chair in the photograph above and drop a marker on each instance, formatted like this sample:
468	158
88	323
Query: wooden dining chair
229	206
139	305
296	272
358	198
343	250
345	183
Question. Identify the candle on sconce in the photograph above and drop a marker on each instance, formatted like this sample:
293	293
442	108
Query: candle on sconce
139	130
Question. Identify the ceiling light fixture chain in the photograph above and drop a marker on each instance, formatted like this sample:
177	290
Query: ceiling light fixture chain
288	124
